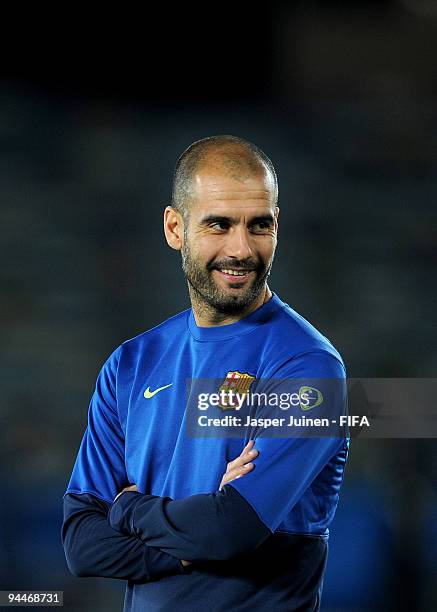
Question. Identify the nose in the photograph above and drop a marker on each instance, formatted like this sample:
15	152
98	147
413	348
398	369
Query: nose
238	243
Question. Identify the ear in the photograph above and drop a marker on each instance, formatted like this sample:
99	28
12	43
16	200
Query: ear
173	228
277	217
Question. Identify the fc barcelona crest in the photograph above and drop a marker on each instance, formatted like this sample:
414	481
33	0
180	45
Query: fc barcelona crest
235	383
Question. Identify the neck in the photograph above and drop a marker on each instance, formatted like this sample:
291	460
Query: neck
207	316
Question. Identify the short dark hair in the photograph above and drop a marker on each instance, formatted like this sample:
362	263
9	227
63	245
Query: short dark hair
193	157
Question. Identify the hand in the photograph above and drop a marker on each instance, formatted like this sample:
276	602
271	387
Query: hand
241	465
129	488
135	488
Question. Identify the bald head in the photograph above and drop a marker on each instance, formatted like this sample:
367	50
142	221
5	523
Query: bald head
229	156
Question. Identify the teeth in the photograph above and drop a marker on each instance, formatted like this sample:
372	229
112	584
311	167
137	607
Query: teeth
235	272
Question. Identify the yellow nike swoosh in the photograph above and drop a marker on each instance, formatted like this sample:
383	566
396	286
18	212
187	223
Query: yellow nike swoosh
148	394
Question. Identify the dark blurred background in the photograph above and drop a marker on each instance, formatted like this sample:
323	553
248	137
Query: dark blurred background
95	108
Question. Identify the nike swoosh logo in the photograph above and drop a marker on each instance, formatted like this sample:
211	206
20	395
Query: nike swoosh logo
148	394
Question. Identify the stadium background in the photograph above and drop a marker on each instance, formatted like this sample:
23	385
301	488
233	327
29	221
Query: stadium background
92	119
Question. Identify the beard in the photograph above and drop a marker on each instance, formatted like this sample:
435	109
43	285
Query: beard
201	279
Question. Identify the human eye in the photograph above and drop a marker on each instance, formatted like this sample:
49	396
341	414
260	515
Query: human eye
219	226
261	227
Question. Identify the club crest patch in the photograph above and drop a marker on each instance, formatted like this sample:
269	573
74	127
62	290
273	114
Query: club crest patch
237	382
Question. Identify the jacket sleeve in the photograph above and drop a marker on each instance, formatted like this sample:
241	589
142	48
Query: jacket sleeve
216	526
237	519
92	547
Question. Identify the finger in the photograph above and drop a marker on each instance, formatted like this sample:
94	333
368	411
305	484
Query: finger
129	488
242	460
246	455
237	472
234	475
249	445
247	448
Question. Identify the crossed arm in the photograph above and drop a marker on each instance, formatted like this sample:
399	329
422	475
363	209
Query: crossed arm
235	469
96	547
167	533
147	537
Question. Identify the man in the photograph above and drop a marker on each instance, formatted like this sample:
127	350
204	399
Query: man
186	536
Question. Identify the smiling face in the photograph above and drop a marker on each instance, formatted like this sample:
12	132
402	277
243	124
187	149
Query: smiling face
229	240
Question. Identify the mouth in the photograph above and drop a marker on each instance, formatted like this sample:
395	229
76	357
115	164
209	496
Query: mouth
235	276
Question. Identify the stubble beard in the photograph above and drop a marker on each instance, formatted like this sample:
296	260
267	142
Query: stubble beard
208	295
